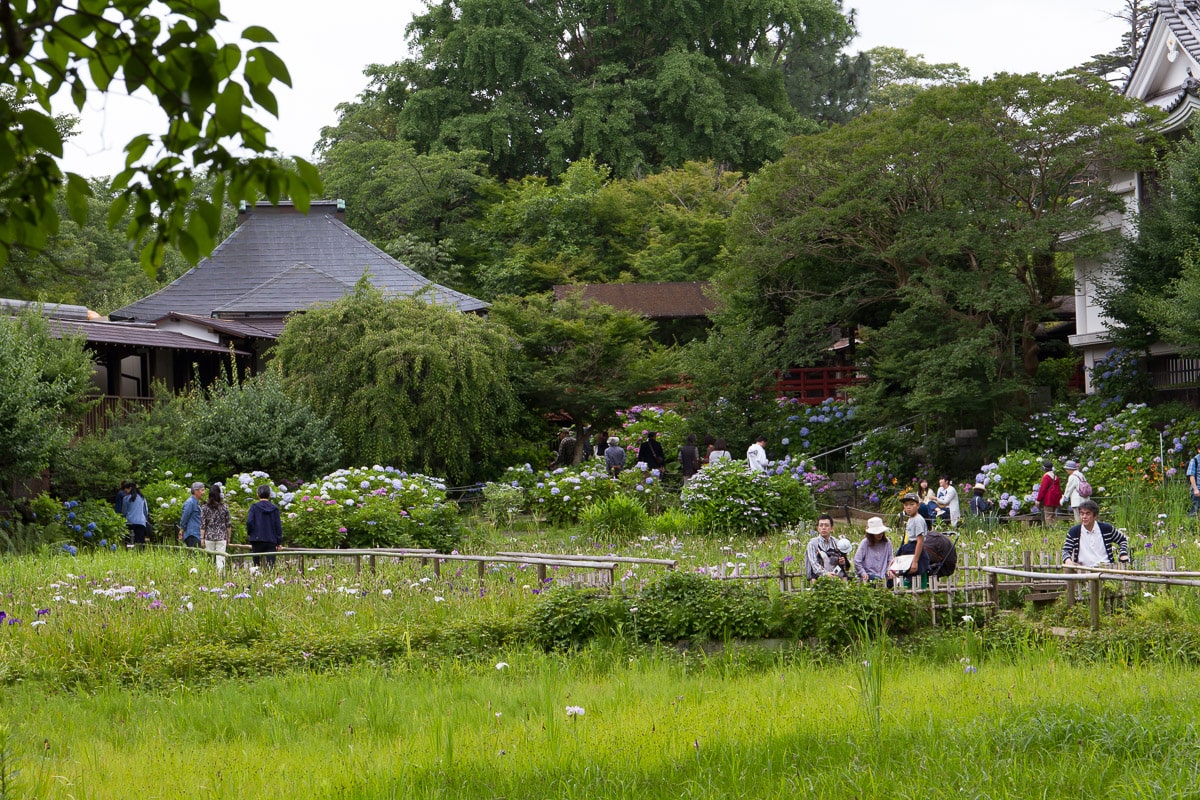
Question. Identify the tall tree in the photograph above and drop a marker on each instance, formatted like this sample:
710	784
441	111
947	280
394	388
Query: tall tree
897	77
170	50
417	386
648	85
961	207
1116	66
823	82
584	361
587	228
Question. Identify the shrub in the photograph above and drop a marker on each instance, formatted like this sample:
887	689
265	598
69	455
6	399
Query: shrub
560	495
91	523
502	502
255	424
164	500
93	466
727	497
647	487
377	506
807	429
616	517
1012	482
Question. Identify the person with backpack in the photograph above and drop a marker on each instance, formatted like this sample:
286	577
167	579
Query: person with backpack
1049	493
1078	489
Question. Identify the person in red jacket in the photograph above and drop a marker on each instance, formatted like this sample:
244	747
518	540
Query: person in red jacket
1049	493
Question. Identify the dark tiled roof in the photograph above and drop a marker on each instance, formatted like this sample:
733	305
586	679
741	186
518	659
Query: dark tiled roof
133	335
270	242
652	300
229	327
278	294
1183	19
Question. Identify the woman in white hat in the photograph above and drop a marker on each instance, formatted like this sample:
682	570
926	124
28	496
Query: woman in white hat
874	556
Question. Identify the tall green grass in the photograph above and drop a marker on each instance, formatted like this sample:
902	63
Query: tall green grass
652	727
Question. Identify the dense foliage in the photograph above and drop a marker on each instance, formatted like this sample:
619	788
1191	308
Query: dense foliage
208	88
405	382
44	382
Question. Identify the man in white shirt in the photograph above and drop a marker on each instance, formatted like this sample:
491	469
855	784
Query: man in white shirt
1090	543
756	455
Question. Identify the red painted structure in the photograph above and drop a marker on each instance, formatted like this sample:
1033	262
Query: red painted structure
811	385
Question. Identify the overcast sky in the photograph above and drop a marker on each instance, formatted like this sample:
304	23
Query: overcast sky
326	47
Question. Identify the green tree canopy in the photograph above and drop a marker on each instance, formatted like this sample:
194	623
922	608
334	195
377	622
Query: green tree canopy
583	361
168	49
961	207
897	77
587	228
404	382
538	87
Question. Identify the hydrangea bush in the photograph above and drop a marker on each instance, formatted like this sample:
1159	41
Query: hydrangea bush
726	497
1012	482
90	523
559	495
372	507
637	421
808	429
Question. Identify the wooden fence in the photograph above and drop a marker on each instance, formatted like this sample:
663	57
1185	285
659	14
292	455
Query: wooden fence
601	568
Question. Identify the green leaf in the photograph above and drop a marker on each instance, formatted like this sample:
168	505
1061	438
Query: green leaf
265	98
257	33
136	148
40	131
229	108
78	192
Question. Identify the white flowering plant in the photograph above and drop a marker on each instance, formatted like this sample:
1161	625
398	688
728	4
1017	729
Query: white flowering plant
727	497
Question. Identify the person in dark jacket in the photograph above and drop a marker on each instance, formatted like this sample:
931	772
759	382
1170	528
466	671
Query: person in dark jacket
689	458
651	452
264	530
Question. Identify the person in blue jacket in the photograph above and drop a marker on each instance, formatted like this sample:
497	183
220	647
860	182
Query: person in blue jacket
189	521
264	530
137	514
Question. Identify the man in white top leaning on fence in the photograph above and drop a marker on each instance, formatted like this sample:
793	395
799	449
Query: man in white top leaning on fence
1090	543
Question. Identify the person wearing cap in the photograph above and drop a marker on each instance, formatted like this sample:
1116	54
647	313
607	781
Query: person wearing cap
823	557
915	529
1090	543
756	455
565	454
189	520
614	457
874	557
1049	493
980	506
1071	492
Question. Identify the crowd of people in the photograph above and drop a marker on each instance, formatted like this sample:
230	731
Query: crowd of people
205	522
924	551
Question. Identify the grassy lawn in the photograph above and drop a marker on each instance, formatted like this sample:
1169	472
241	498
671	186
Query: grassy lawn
146	675
653	726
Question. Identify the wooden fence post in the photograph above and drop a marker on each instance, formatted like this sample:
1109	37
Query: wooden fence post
541	572
1070	593
481	566
1094	602
437	568
994	591
371	563
783	587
